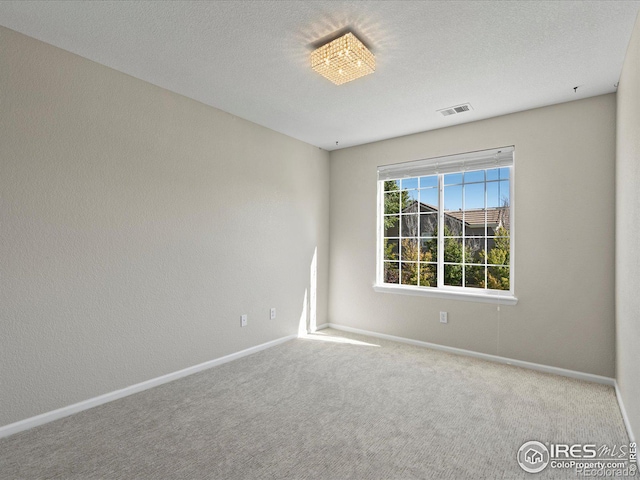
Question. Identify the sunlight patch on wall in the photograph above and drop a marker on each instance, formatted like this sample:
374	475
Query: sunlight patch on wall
302	325
313	291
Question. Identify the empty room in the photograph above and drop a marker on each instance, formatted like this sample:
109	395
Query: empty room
319	239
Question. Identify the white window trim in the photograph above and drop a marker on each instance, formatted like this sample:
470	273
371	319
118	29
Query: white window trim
447	292
444	292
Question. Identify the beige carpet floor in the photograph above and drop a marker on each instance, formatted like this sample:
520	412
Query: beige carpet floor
331	406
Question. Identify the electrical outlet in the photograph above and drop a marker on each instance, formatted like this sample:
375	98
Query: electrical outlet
243	320
273	313
443	317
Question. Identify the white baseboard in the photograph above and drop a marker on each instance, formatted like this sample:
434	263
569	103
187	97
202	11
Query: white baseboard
623	411
483	356
47	417
322	327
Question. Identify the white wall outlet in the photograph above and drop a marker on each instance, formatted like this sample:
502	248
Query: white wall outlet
443	317
243	320
272	313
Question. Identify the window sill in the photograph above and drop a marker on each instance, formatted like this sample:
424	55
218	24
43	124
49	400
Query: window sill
448	294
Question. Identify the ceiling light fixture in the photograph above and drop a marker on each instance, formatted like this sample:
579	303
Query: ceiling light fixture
343	60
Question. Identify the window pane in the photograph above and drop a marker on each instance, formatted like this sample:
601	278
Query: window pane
474	250
409	183
392	226
453	275
497	194
391	202
505	194
391	185
474	276
428	224
410	201
428	250
498	174
493	196
453	197
498	252
502	230
453	224
430	181
409	273
498	278
410	249
410	225
477	176
429	199
453	179
391	249
474	223
391	272
473	196
453	250
498	222
428	275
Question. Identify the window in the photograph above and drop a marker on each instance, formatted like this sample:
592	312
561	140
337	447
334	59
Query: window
445	225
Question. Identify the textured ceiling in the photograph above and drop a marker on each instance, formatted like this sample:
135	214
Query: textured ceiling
251	58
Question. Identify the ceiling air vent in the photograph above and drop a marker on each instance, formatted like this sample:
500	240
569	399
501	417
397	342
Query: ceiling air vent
465	107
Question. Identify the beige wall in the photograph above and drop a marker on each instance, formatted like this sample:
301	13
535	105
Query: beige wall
564	234
136	227
628	233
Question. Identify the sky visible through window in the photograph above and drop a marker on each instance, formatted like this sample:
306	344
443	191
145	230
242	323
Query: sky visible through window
469	186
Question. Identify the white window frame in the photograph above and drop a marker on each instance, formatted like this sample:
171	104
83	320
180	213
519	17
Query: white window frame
480	160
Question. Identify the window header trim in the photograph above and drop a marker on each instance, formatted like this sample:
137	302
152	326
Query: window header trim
479	160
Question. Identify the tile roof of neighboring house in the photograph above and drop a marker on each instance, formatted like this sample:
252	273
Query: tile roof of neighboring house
495	215
476	217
